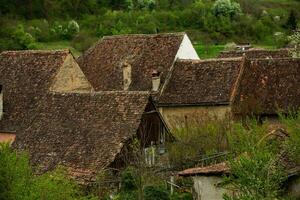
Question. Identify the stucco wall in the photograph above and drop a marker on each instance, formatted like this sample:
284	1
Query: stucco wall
70	78
176	116
186	50
206	188
1	105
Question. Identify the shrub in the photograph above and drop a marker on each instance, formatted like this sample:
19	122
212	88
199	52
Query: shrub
24	39
155	193
17	181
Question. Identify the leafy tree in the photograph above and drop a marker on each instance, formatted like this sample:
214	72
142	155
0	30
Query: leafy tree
24	39
226	8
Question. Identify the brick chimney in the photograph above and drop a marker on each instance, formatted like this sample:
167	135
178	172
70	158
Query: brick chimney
155	80
1	102
126	75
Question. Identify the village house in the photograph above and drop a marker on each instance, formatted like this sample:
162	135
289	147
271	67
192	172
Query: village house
198	88
26	76
55	115
127	62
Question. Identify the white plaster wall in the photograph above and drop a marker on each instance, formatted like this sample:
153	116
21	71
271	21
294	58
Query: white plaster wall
186	50
1	105
206	189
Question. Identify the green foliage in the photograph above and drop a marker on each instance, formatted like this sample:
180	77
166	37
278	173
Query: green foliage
202	136
17	181
256	172
156	193
226	8
181	196
128	181
292	124
24	39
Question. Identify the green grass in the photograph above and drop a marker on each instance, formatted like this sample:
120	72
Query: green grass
211	51
57	46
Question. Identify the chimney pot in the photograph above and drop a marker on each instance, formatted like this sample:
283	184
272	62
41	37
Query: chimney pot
155	80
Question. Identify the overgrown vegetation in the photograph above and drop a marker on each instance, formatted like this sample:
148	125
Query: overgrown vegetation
261	160
17	181
208	22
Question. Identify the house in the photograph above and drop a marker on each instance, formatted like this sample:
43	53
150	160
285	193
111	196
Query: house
127	62
256	53
90	132
198	88
51	110
267	86
26	76
207	181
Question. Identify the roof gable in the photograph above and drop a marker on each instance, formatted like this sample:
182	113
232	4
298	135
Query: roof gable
25	77
144	53
205	82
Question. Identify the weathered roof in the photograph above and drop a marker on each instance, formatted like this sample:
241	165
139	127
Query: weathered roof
84	132
207	82
216	169
102	63
267	86
25	77
256	53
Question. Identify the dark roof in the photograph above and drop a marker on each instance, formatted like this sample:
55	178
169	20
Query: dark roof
256	53
266	85
216	169
83	132
102	63
25	77
206	82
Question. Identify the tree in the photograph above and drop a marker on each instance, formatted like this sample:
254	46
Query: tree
291	23
226	8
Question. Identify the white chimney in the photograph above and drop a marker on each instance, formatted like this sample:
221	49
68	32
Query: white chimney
126	75
155	80
1	102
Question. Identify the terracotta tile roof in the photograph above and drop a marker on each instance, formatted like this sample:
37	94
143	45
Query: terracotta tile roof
25	77
216	169
102	63
256	53
201	82
84	132
266	85
7	137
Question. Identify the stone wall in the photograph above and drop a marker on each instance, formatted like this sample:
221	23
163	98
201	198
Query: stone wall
70	78
176	116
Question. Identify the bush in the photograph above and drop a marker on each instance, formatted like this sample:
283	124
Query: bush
24	39
17	181
226	8
155	193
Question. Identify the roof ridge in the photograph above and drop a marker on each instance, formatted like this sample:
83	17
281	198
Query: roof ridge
209	60
144	35
37	51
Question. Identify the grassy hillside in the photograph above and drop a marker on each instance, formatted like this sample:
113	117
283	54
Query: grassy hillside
78	26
